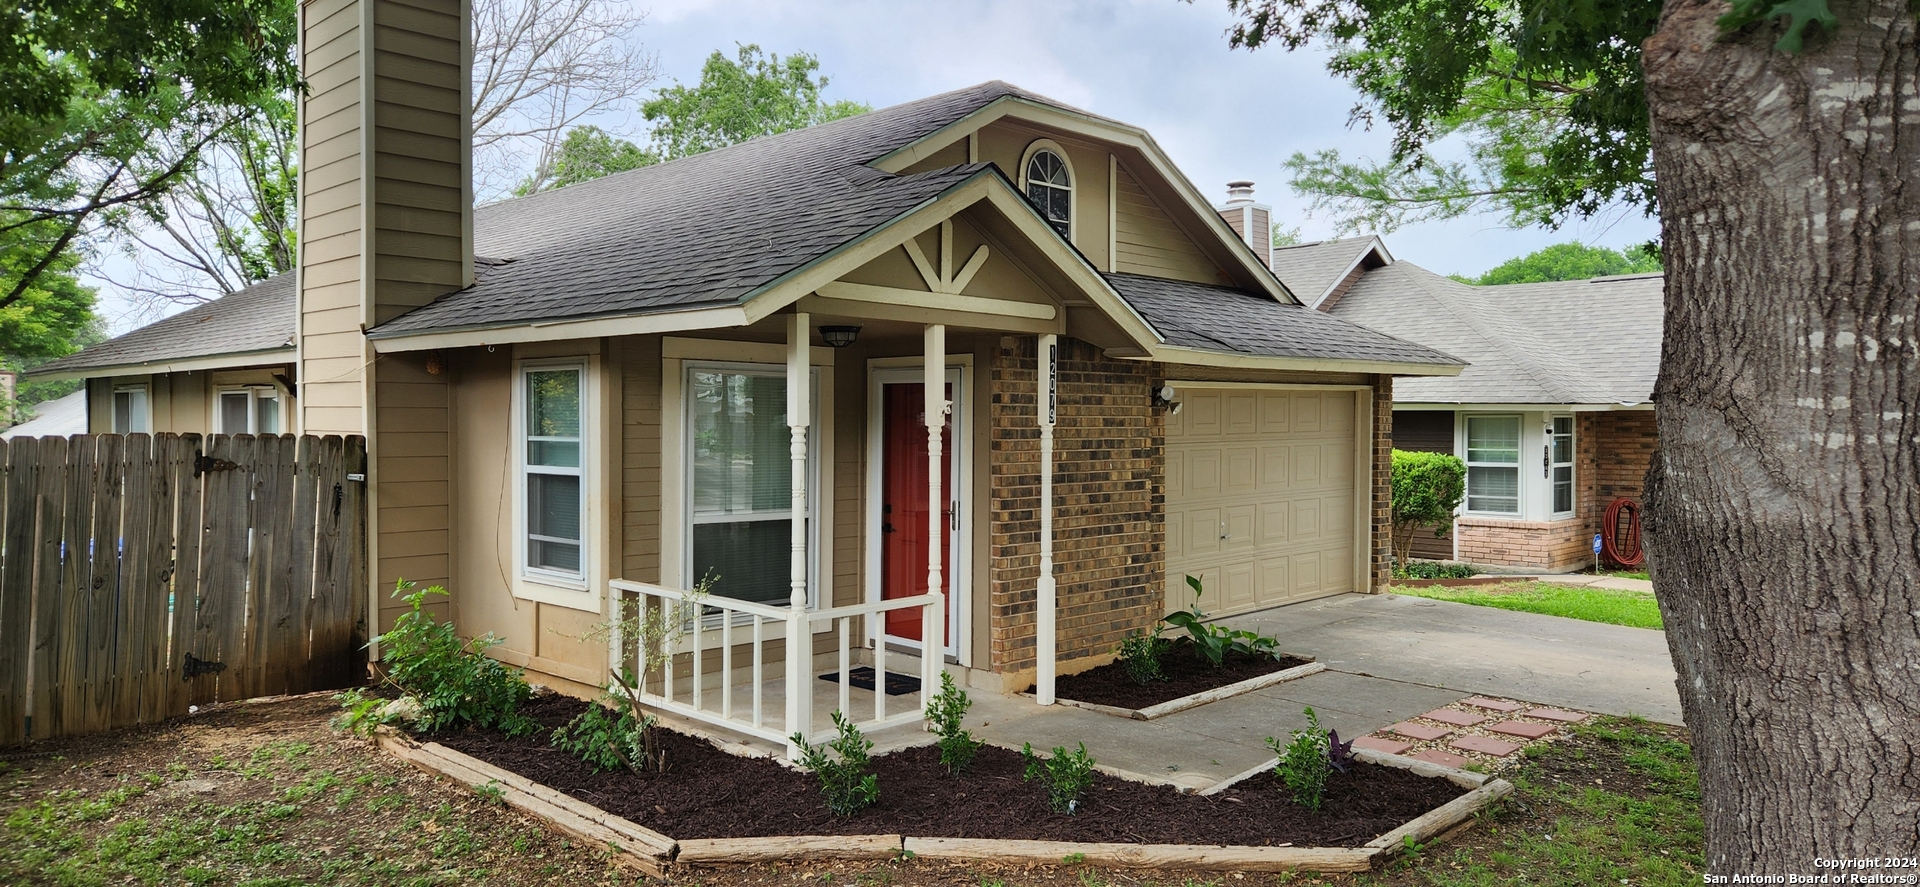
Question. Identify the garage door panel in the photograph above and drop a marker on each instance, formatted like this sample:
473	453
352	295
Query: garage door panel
1201	415
1336	461
1243	476
1306	466
1176	473
1336	413
1237	528
1276	578
1307	578
1240	415
1336	569
1306	413
1275	521
1306	523
1203	532
1276	413
1203	473
1237	591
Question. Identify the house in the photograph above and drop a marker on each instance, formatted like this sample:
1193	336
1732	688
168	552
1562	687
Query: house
819	368
59	417
1564	370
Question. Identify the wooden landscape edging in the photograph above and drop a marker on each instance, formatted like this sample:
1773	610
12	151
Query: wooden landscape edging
1162	709
653	853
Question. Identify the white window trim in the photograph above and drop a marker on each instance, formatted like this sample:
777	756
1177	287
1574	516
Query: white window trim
1073	182
253	394
1572	464
545	586
146	400
1520	475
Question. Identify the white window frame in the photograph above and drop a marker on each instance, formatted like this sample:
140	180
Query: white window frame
1573	471
576	591
1073	183
1520	476
141	412
253	393
688	519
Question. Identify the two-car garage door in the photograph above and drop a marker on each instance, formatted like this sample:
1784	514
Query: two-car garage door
1261	493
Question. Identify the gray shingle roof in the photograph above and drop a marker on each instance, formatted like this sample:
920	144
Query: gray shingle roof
1579	341
1311	269
258	318
1195	315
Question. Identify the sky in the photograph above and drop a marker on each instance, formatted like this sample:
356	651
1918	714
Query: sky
1162	65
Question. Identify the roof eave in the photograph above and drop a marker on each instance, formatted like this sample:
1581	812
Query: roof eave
1240	360
234	360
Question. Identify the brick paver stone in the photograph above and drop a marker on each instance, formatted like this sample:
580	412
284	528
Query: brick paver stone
1523	729
1491	704
1385	746
1456	718
1444	759
1421	732
1555	714
1486	745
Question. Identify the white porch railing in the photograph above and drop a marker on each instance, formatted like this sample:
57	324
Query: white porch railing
714	668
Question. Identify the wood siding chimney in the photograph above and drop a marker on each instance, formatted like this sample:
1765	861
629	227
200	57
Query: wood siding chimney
1252	221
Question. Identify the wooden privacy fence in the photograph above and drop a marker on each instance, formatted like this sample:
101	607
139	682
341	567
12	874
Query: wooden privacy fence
141	574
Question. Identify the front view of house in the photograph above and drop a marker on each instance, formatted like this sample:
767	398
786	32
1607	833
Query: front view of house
818	371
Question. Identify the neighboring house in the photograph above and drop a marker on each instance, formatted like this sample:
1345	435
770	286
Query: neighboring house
1554	416
720	365
60	417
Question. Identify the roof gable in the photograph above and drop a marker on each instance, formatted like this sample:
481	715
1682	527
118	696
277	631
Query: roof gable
1313	271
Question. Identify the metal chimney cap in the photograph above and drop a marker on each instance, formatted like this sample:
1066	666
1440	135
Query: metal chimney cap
1240	191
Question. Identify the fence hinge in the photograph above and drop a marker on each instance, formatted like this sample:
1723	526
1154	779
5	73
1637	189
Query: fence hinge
203	463
195	667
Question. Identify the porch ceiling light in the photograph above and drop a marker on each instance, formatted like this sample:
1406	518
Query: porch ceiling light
839	336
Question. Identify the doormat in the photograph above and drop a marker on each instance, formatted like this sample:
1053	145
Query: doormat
862	676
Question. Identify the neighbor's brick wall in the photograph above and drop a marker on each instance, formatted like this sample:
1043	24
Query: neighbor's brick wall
1533	545
1615	450
1108	484
1382	543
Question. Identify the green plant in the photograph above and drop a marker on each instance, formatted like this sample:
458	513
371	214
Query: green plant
1140	656
846	777
492	792
944	711
1427	487
1214	642
613	734
1067	774
1074	858
1432	570
1303	762
455	682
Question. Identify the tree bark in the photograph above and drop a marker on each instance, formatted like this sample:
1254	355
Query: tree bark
1783	510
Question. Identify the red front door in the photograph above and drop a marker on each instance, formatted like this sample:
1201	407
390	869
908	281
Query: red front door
903	503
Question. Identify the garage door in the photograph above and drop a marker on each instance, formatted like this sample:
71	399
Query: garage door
1260	496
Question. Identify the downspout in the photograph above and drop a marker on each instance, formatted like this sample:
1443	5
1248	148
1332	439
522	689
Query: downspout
1045	609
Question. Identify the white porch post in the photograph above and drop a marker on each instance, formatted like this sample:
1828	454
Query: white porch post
799	626
1045	605
933	634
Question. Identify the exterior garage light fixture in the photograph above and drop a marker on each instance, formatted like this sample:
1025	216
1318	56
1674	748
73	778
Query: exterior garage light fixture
839	336
1163	398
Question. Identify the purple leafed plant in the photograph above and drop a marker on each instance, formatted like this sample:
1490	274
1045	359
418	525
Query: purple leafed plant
1339	754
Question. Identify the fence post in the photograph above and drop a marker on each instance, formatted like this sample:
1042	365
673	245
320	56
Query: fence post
16	587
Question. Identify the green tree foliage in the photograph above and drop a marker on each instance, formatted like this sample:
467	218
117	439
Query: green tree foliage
738	99
1568	261
587	153
1427	487
106	104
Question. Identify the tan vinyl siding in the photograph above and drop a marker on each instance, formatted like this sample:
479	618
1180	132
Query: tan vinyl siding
1150	243
640	458
414	422
419	127
333	355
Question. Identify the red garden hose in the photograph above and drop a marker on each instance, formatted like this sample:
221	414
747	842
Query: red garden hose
1620	539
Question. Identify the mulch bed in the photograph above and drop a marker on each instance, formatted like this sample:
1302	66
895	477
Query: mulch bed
1187	673
708	793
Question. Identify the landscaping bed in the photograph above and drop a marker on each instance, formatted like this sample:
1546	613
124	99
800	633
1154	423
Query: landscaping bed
1186	673
708	793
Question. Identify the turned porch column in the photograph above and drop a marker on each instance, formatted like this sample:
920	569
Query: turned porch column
933	635
799	626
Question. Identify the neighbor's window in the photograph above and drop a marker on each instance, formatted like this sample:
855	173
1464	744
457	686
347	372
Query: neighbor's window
250	410
1493	464
130	414
1560	445
553	478
1050	189
741	481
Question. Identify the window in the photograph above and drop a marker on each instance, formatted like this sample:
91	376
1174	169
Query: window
251	410
1560	461
553	475
741	481
130	414
1049	185
1493	464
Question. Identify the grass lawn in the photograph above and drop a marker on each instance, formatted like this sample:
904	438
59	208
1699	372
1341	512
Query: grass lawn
1634	608
264	795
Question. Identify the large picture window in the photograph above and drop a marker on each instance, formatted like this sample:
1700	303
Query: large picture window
1493	464
1560	453
741	481
554	481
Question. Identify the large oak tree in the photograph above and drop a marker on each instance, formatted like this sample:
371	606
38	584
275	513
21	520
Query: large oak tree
1784	507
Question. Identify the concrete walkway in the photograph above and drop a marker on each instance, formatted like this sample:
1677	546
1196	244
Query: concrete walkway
1389	657
1588	580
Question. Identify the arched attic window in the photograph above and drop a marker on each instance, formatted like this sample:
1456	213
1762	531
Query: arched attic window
1048	182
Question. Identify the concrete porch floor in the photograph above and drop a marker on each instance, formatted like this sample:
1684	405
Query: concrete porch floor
1389	657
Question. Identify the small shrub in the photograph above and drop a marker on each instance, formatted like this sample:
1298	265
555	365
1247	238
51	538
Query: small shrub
1140	656
455	682
1303	762
1427	487
614	734
1432	570
846	777
957	746
1214	642
1067	774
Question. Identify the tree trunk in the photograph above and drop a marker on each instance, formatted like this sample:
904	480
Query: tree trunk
1783	510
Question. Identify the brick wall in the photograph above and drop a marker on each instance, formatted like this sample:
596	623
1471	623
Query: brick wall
1615	450
1109	475
1382	559
1612	452
1533	545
